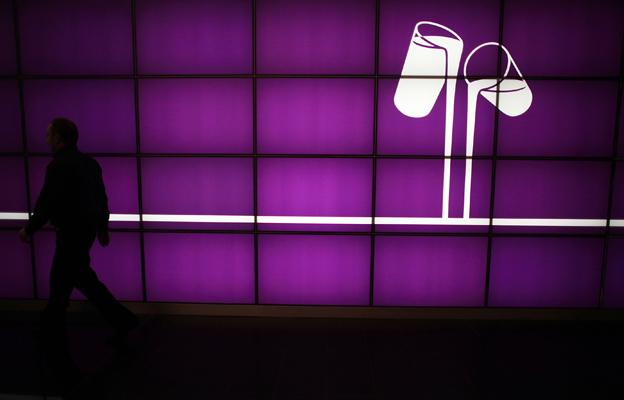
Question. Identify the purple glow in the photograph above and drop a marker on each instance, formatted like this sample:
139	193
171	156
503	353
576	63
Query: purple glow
314	269
7	39
566	118
315	116
545	272
475	24
430	271
196	115
614	282
547	189
560	37
320	37
209	102
399	134
194	36
102	109
121	183
97	34
16	272
314	187
617	202
413	188
13	177
199	267
409	188
617	210
10	129
117	266
221	186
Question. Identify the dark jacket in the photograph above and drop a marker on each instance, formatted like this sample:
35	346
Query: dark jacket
73	194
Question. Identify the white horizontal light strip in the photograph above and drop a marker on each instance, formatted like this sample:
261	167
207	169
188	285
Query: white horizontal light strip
549	222
430	221
277	219
314	220
198	218
124	217
13	216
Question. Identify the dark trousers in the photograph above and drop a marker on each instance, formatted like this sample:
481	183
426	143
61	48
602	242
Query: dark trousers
71	269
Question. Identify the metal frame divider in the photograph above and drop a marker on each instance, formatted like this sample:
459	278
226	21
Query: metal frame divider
137	127
488	265
616	135
255	151
371	294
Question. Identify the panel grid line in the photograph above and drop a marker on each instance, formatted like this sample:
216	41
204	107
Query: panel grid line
616	135
137	127
256	265
371	294
488	264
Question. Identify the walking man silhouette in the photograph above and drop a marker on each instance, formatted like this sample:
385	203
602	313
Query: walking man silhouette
73	199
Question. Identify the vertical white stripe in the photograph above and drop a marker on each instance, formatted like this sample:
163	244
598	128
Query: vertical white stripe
467	187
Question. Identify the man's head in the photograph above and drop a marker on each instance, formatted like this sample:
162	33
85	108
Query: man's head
61	133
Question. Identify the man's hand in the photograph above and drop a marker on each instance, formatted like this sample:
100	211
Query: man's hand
103	238
24	236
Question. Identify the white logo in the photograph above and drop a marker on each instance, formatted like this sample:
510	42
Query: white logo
437	57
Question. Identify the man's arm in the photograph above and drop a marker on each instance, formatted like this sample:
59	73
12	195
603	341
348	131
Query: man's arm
103	212
44	204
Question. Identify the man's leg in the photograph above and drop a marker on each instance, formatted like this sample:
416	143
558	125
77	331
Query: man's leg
99	295
87	282
53	332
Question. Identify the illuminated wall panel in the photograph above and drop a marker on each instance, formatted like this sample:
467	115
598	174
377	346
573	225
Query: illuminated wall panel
7	39
199	268
16	279
96	34
14	200
356	152
563	46
614	286
10	131
196	115
323	269
565	119
545	272
317	116
196	186
319	37
102	109
194	36
430	271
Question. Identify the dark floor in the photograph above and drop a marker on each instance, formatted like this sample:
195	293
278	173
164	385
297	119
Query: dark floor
184	357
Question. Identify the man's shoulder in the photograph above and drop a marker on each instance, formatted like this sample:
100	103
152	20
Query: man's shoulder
74	160
92	162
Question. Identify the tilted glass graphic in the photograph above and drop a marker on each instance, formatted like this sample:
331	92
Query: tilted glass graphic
436	57
510	94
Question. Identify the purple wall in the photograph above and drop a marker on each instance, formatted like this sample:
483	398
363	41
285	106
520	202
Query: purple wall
545	272
199	268
310	87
